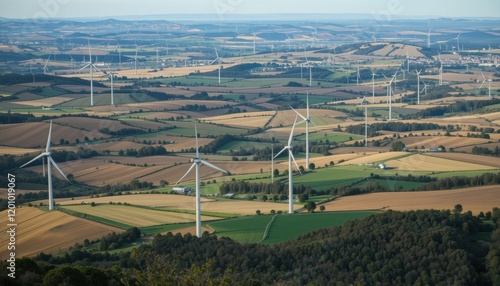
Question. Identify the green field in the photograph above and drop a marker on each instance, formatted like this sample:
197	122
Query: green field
330	136
338	176
236	145
461	173
284	227
244	229
105	99
393	185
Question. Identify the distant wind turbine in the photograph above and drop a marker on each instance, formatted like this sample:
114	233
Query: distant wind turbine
196	164
44	155
45	68
373	86
289	148
307	120
91	68
218	60
364	102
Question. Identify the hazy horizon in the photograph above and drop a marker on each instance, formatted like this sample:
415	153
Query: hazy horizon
228	9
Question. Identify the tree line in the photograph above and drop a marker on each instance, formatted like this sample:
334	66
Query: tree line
428	247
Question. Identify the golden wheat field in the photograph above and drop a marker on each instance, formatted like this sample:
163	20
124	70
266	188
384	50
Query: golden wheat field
136	216
420	162
374	158
16	151
44	101
475	199
322	160
148	200
39	231
435	141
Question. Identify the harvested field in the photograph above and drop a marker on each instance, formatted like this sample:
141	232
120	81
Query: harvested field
16	151
244	207
50	232
91	123
46	101
34	134
374	158
322	160
247	119
287	117
469	158
418	162
136	216
474	199
435	141
148	200
468	149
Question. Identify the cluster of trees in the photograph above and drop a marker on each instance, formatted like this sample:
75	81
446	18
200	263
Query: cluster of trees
120	188
485	179
122	132
194	107
114	241
245	187
144	151
399	127
486	151
459	106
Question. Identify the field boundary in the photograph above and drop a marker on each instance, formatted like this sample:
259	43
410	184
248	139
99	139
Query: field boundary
267	229
96	218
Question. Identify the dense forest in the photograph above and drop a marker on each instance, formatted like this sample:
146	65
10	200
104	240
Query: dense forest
426	247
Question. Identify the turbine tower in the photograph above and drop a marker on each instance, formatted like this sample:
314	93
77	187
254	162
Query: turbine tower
44	155
289	148
373	86
357	77
91	72
418	86
429	38
111	76
218	60
364	102
45	68
307	120
196	164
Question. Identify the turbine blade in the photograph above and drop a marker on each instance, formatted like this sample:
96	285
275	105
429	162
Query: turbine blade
57	167
307	104
37	157
483	76
196	136
298	113
293	158
213	166
47	147
291	133
85	66
189	170
280	152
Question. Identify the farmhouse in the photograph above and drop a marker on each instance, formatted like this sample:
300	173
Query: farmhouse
182	190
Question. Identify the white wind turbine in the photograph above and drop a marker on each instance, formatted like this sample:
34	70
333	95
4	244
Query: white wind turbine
418	86
49	169
357	77
91	71
196	164
111	76
364	102
489	84
307	120
218	60
289	148
373	86
45	68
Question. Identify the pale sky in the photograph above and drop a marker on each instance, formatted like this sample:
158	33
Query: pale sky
111	8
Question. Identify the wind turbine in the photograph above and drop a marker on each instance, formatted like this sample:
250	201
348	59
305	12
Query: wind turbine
307	120
45	68
440	70
254	43
429	38
364	102
91	68
135	59
373	86
44	155
418	86
289	148
196	164
357	77
111	76
489	84
218	60
458	46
